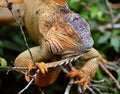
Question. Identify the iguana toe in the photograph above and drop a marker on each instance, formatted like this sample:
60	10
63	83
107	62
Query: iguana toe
82	77
42	67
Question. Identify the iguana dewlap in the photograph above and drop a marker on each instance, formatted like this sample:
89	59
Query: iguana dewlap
63	36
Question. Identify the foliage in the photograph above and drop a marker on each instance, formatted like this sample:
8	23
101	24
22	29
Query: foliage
3	62
106	41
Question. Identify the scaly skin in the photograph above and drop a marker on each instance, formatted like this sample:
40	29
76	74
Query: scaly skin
62	36
5	15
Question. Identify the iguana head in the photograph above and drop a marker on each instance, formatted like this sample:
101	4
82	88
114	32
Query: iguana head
70	36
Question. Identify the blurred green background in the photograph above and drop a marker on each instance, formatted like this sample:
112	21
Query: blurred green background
106	41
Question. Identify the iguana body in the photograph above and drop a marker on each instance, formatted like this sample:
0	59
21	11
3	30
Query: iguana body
62	36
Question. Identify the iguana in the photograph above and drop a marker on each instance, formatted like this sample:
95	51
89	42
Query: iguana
62	36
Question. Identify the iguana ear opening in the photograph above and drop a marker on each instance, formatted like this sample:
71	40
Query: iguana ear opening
61	2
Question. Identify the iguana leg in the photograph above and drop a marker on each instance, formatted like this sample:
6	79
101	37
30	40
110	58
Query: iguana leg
30	64
87	72
24	60
39	55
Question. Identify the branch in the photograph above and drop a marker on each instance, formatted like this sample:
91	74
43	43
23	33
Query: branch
107	26
116	18
9	6
100	81
68	88
115	6
41	91
31	81
111	14
24	68
16	68
71	82
91	90
80	91
97	89
110	75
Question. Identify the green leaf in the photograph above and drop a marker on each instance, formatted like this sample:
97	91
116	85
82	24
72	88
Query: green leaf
84	14
104	38
99	74
118	71
96	37
115	43
74	5
1	43
99	15
3	62
116	32
94	11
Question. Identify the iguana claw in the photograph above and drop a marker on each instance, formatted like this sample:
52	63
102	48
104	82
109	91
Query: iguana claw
40	65
86	73
83	78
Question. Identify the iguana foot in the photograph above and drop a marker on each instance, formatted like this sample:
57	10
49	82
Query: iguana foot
82	77
86	73
40	65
